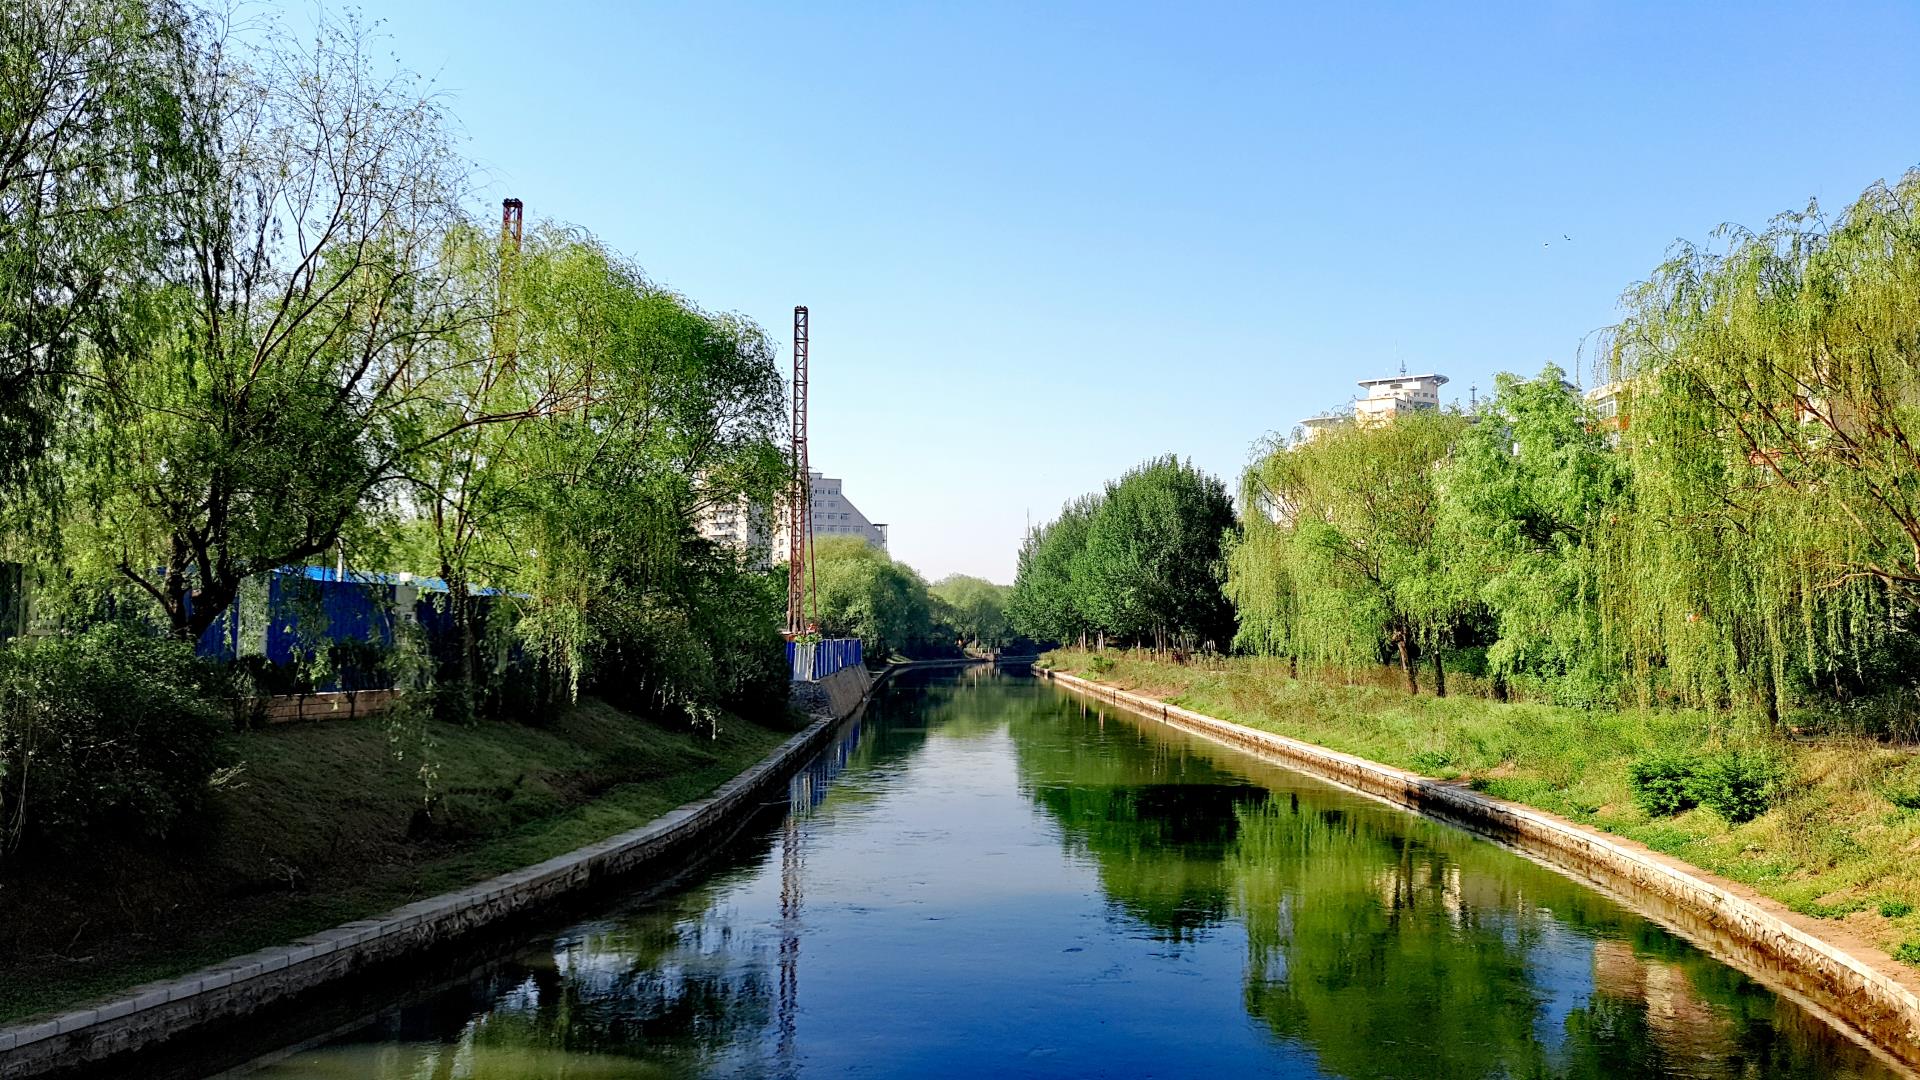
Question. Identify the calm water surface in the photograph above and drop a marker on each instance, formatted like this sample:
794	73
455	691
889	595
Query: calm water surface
993	878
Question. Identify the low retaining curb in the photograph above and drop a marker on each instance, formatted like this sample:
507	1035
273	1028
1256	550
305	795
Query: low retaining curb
1848	988
152	1014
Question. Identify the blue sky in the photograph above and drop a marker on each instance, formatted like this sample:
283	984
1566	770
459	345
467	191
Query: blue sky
1042	242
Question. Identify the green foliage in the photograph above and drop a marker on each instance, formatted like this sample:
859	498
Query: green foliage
1529	494
1895	909
1739	785
1662	784
1152	565
1045	603
1741	533
1143	561
1775	392
976	607
95	141
1339	563
105	733
263	383
859	592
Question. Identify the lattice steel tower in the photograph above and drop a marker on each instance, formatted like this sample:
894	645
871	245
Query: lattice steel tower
800	499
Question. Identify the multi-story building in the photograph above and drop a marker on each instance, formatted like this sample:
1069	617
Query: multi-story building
1386	398
741	525
1608	402
1389	397
834	515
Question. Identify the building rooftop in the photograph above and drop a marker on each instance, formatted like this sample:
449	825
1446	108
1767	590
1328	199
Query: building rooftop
1403	378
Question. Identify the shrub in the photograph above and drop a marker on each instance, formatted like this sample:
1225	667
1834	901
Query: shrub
1662	784
1099	664
105	733
1736	784
1895	909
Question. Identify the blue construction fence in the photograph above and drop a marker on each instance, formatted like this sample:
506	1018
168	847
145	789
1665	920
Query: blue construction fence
286	616
811	661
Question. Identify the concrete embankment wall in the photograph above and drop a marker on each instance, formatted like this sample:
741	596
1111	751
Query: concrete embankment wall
149	1015
1859	989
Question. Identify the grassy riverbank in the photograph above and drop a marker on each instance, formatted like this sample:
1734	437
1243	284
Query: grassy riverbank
320	825
1838	842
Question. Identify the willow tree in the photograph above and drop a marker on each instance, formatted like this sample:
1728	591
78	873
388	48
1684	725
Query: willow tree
266	389
977	608
677	408
1355	510
470	492
1531	497
1775	434
94	144
1259	580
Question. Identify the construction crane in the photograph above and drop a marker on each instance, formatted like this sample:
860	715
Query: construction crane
800	498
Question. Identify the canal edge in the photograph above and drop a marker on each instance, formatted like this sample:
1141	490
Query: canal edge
1861	992
151	1014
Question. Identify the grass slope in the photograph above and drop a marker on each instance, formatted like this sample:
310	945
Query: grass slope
1840	841
320	827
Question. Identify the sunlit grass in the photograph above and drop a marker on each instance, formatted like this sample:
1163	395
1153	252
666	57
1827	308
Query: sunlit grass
1840	842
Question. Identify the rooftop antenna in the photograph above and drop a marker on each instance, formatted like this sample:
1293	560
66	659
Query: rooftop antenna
1473	398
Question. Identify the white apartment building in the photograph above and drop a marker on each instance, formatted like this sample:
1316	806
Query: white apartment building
834	516
740	525
1389	397
1386	398
1607	401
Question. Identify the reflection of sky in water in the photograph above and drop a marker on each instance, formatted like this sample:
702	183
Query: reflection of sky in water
999	886
1562	965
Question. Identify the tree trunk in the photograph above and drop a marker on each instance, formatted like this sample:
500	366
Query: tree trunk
1404	643
1439	676
465	670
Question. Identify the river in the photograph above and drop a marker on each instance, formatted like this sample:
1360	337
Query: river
988	876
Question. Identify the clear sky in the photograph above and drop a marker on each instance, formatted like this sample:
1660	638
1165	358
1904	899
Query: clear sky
1042	242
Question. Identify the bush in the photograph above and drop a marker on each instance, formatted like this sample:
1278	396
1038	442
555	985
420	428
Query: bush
1099	664
109	733
1662	784
1736	784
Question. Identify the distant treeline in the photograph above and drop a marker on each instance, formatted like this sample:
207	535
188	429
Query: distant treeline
858	591
1741	532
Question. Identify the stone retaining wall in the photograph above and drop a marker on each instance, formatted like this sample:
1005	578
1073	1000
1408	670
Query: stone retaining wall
149	1015
1862	990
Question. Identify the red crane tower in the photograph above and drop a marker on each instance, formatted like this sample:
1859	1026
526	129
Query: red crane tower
800	498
